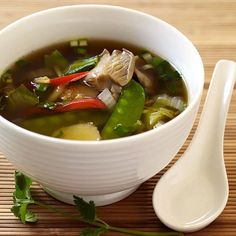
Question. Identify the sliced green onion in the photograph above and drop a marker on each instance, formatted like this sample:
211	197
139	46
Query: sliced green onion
106	97
147	56
167	112
147	67
74	43
164	100
42	80
153	118
83	42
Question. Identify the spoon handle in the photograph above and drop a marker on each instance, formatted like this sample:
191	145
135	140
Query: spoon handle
217	102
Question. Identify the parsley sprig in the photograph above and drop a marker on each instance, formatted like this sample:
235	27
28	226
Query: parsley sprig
87	212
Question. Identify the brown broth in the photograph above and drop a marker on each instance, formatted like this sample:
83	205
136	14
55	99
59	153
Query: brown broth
29	71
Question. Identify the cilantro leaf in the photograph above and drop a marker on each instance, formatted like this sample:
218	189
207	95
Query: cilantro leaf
30	217
22	198
91	232
87	209
22	184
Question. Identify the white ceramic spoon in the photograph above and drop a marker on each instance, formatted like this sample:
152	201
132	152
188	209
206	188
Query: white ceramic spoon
192	193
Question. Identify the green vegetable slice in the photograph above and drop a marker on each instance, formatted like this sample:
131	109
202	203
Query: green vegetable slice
5	78
21	98
82	65
48	124
168	77
153	118
126	113
56	61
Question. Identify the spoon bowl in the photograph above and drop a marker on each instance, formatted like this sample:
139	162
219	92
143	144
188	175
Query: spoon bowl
194	192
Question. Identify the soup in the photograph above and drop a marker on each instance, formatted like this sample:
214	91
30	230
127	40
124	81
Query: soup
91	90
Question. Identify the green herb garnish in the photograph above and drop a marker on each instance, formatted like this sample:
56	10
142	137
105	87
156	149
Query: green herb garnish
87	212
22	198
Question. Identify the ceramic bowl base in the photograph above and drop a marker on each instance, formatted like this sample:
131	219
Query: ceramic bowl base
99	200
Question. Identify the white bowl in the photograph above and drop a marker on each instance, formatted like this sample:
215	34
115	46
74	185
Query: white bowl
104	171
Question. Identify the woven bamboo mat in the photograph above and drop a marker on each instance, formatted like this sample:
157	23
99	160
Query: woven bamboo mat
211	25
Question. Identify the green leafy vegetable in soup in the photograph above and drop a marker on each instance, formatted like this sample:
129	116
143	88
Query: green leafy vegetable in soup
91	90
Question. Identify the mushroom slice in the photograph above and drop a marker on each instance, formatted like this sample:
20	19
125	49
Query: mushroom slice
115	90
97	77
145	77
117	67
121	66
78	91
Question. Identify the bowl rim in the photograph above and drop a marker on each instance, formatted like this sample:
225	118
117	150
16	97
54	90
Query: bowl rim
136	137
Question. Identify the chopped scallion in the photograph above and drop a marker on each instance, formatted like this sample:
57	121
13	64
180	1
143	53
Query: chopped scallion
147	67
42	80
74	43
147	57
83	42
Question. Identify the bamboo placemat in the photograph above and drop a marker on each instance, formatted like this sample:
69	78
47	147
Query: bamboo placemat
211	25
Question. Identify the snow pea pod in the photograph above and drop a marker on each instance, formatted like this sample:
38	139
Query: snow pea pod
48	124
126	113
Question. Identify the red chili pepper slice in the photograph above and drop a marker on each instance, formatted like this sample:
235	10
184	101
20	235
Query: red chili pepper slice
68	78
78	104
34	111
